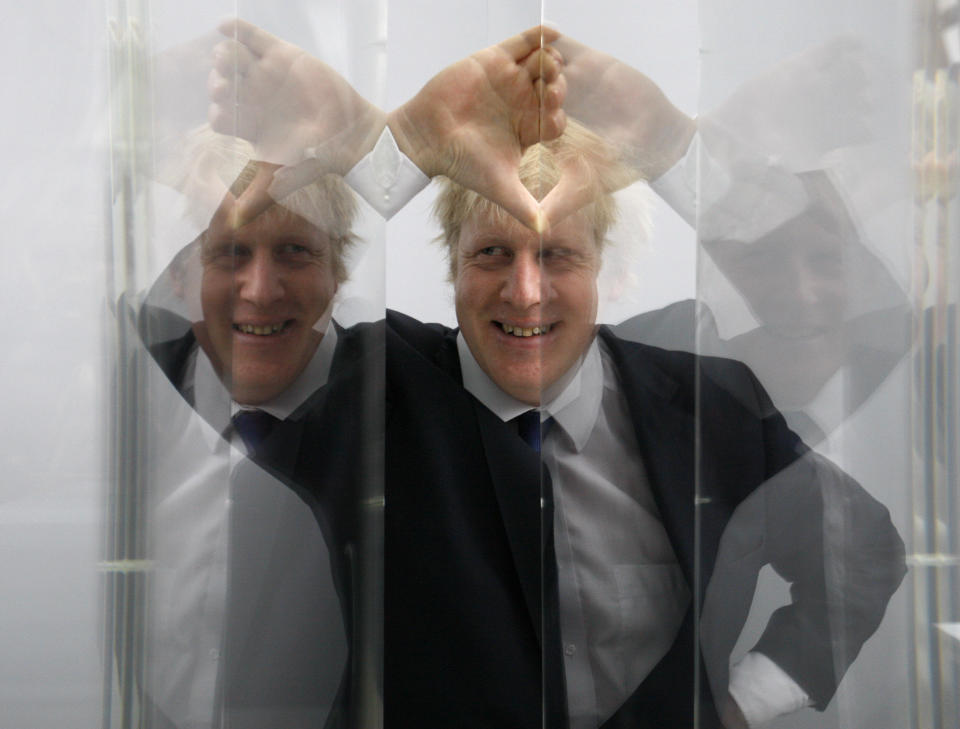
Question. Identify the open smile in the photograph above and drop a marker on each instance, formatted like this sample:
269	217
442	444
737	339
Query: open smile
262	330
520	330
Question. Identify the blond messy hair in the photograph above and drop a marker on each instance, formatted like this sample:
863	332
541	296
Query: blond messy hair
540	170
215	162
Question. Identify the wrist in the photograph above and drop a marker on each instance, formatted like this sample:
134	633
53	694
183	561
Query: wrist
405	122
669	147
365	137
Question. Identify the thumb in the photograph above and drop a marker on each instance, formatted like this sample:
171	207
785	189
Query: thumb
577	187
584	180
506	190
255	197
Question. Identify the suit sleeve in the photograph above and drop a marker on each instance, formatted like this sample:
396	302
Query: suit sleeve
837	547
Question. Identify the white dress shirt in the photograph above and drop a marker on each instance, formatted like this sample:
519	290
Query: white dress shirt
727	194
622	593
385	177
192	478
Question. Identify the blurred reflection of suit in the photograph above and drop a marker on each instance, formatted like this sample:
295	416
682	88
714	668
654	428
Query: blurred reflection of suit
873	344
470	603
287	629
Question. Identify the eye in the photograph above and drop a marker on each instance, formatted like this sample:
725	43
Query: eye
226	254
558	255
494	251
294	249
296	252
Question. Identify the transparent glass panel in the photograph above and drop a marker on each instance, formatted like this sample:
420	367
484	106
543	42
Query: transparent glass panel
618	430
244	509
806	272
651	423
463	618
53	470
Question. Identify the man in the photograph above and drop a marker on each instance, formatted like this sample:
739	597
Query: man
259	617
681	464
516	595
269	414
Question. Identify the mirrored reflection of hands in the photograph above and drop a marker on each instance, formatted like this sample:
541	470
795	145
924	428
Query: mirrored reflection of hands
473	120
646	132
807	105
296	110
285	101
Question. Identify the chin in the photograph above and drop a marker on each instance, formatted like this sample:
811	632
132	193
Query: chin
256	391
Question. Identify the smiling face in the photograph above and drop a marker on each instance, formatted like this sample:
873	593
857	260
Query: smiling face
527	310
792	280
266	290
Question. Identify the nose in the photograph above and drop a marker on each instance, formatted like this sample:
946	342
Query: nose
259	281
522	286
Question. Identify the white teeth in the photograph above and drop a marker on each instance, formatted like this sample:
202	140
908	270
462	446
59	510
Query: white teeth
261	331
528	332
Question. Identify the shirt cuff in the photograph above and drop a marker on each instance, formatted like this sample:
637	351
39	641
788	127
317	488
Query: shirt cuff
763	690
385	177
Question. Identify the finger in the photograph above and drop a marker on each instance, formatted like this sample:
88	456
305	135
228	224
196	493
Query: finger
577	188
234	212
553	94
256	197
520	45
291	178
506	190
256	39
569	48
219	87
231	57
542	65
232	120
552	124
223	216
220	119
553	51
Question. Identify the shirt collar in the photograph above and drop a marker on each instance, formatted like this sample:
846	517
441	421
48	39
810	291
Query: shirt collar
574	408
212	400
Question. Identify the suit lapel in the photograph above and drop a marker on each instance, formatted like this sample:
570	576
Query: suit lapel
516	477
666	428
515	473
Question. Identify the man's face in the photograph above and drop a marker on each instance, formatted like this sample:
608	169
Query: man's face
265	285
792	280
526	310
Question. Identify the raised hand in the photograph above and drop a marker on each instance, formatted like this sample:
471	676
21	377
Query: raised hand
473	120
645	133
287	103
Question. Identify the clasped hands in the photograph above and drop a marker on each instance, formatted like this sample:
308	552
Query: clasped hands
471	122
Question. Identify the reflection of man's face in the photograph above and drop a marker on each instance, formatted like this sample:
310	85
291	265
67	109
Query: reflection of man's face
265	286
527	312
792	279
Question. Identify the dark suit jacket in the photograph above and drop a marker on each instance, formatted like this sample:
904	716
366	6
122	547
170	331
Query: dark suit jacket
329	451
874	344
471	636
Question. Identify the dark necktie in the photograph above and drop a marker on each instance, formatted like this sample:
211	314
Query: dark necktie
531	429
253	427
